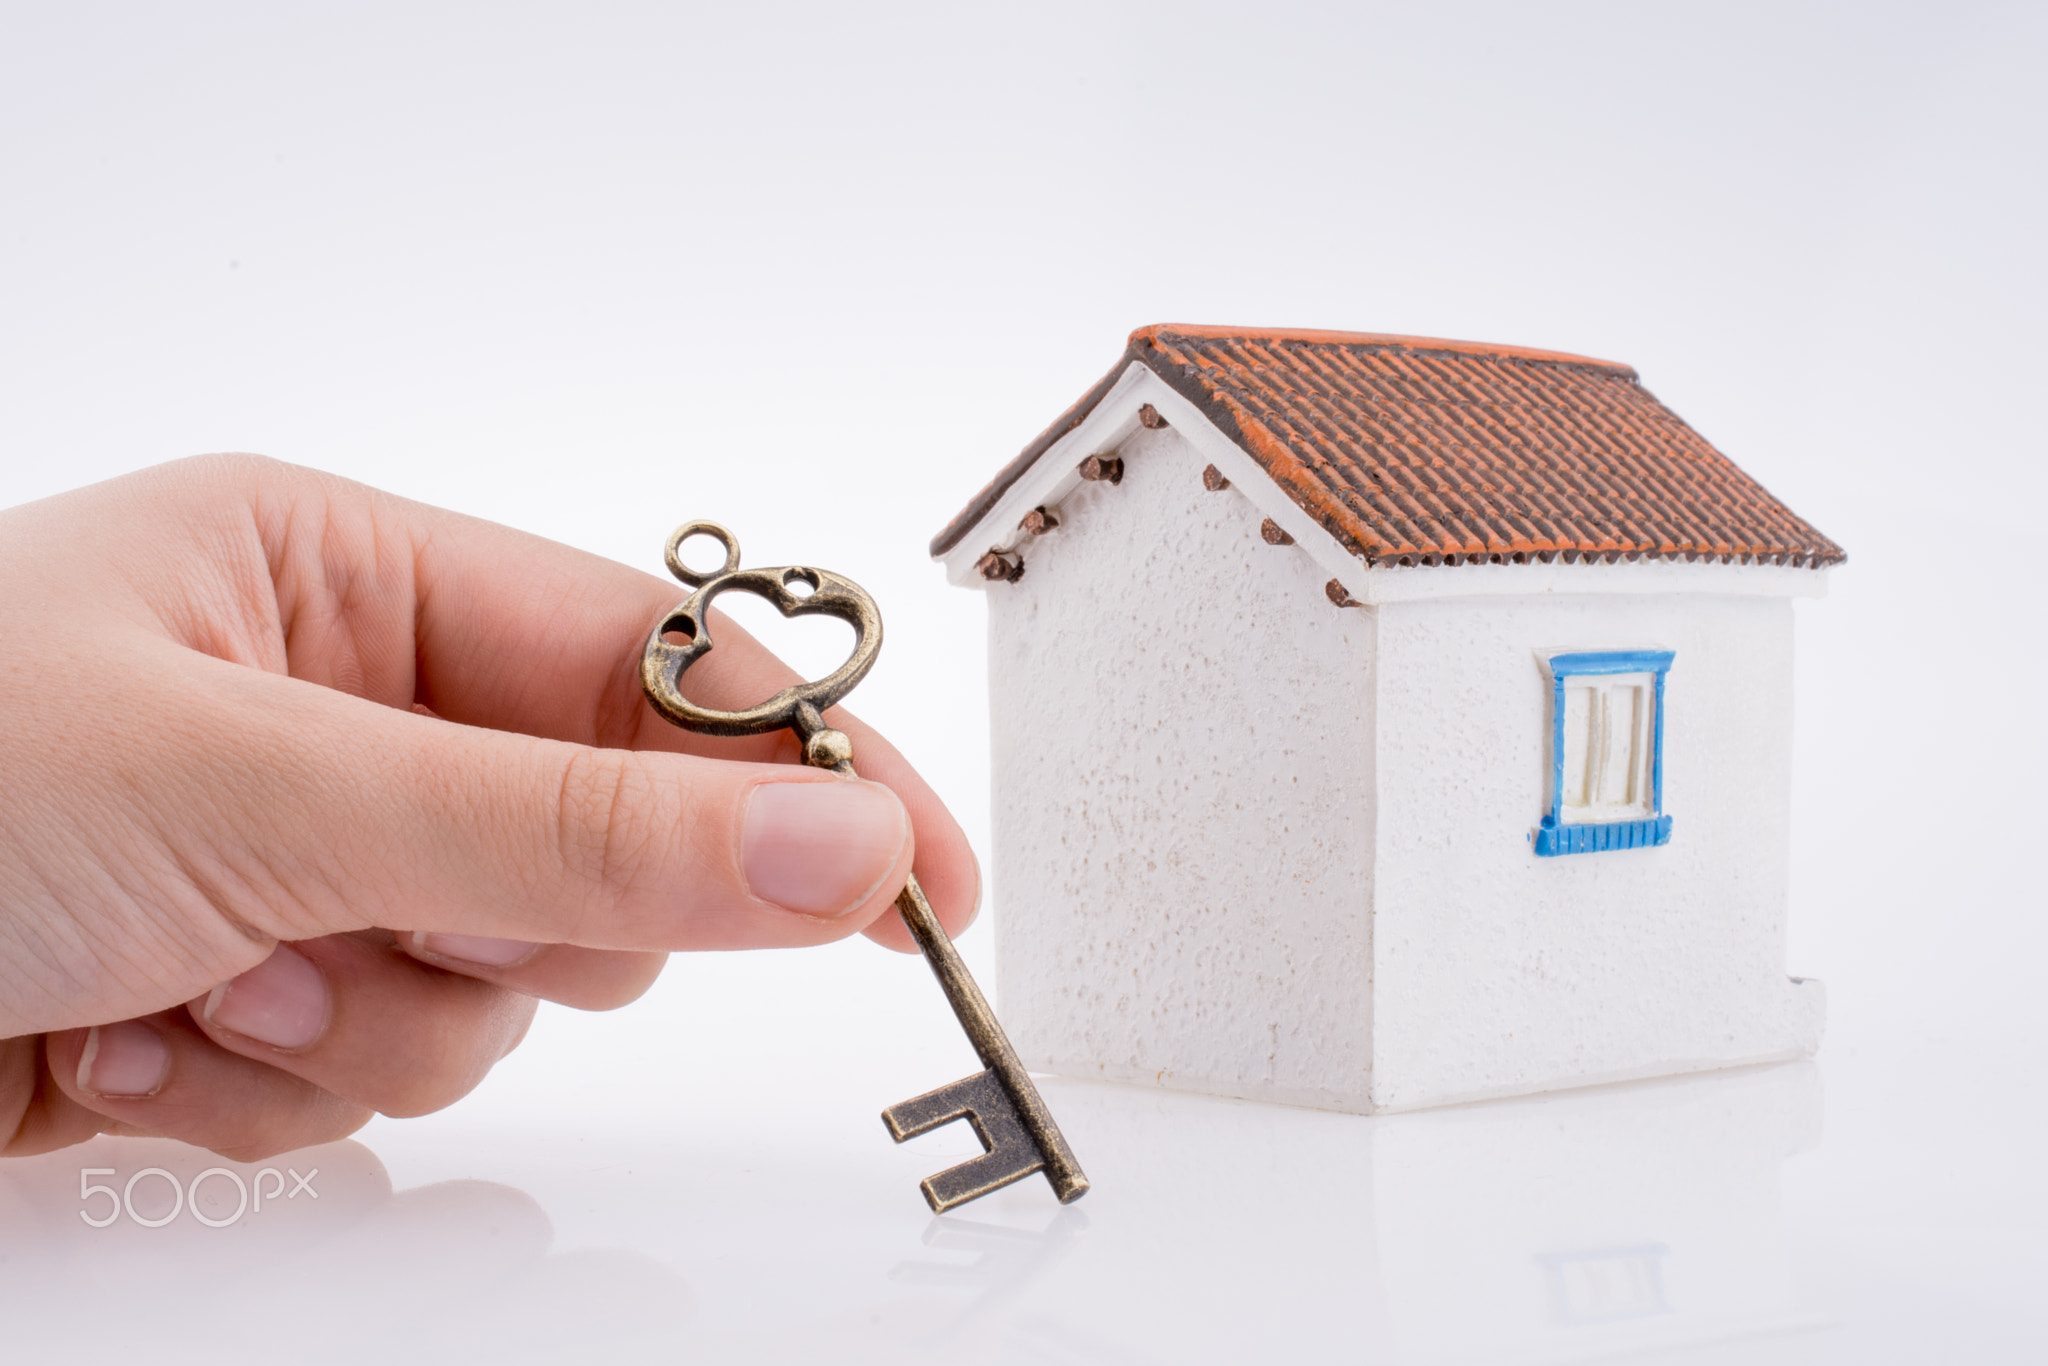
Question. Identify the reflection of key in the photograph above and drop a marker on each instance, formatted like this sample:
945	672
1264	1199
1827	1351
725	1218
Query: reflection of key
1008	1114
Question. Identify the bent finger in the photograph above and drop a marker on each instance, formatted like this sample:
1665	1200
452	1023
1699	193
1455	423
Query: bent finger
161	1075
36	1117
354	1016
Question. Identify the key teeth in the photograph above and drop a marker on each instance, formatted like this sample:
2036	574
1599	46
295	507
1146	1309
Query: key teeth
950	1189
1008	1152
962	1099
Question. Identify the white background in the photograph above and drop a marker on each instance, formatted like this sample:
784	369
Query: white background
592	270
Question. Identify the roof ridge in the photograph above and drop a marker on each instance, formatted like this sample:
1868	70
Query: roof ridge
1148	336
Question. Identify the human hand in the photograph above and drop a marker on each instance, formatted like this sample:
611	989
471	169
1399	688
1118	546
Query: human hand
310	791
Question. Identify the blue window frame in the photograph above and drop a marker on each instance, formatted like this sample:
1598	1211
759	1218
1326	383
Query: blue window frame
1606	751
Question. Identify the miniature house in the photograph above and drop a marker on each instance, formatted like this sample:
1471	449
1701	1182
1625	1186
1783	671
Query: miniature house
1382	722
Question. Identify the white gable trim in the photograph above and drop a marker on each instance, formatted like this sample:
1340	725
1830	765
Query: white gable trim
1054	475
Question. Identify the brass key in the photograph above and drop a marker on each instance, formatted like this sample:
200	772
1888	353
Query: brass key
1009	1116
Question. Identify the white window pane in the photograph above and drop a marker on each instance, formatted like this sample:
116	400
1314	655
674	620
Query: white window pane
1639	770
1581	727
1608	747
1618	766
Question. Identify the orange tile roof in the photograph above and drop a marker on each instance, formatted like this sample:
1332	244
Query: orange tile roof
1411	450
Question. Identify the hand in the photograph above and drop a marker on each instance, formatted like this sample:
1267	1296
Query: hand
309	791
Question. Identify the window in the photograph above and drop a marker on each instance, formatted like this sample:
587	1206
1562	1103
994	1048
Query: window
1606	751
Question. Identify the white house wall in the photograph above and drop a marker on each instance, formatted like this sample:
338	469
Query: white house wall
1183	796
1496	971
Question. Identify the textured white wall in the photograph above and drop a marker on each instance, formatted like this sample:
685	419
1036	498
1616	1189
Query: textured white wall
1250	843
1182	797
1499	972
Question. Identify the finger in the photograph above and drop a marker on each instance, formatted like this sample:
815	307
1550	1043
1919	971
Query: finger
517	633
307	812
160	1075
588	979
354	1016
36	1117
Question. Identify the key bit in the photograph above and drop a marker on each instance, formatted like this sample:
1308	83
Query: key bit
1010	1117
1001	1103
1009	1154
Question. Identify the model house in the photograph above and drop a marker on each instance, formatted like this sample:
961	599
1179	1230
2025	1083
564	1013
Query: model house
1382	722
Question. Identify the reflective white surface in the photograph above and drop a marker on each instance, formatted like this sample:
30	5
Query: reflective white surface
594	269
746	1206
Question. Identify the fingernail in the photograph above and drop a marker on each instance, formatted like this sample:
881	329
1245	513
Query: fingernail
821	848
282	1001
125	1059
474	948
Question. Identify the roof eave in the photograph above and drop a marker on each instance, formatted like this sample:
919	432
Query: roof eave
985	501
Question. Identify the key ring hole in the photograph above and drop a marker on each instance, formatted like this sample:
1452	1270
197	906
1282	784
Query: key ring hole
680	634
694	549
697	578
799	583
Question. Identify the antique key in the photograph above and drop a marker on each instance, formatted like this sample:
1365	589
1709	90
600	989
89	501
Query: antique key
1009	1116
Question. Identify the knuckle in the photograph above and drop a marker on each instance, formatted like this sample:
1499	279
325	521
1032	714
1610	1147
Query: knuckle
17	1087
623	979
607	822
431	1082
231	470
324	1119
36	1114
422	1099
447	1064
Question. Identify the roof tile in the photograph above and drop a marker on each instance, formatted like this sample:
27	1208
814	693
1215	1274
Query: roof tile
1411	449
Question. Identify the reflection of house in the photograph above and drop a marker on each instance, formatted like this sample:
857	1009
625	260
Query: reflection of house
1592	1226
1381	722
1605	1224
1604	1284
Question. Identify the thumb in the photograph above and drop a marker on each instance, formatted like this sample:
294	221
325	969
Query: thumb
354	815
